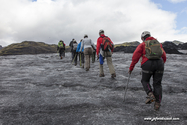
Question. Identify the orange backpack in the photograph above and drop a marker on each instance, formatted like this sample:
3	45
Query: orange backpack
107	44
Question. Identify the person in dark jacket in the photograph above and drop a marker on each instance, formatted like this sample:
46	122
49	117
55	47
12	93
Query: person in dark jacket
74	52
61	48
150	67
71	46
93	55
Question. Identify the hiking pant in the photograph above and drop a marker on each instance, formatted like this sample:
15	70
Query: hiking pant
108	56
75	54
153	68
93	56
72	55
61	52
82	57
87	54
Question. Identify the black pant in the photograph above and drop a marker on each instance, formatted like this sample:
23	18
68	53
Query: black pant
153	68
75	56
61	52
93	56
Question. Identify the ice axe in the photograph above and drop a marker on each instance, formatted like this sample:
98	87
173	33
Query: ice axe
126	87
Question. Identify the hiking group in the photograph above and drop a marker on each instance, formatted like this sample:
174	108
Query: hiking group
152	63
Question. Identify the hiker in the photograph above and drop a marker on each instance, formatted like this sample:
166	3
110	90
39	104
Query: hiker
74	52
93	55
81	54
104	51
61	48
152	64
87	44
71	46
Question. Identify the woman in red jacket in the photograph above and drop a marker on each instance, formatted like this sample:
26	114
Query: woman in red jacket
150	67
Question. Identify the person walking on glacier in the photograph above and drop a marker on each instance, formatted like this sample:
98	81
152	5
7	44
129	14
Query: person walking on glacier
105	49
152	64
87	44
71	46
61	48
74	48
81	53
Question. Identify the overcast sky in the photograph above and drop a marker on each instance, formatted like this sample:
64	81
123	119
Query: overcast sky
122	20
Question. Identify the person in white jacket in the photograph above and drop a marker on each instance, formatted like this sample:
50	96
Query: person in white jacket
88	45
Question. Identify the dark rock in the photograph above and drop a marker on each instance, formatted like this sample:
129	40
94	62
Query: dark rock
170	45
182	46
119	48
130	49
1	47
125	49
170	48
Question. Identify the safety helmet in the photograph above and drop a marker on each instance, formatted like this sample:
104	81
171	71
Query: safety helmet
145	33
101	31
85	35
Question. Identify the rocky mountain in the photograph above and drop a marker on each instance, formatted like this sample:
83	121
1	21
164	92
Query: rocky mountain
28	47
169	47
31	47
177	42
1	47
135	43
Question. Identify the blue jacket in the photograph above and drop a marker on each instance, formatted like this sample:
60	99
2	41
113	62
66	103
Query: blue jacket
79	47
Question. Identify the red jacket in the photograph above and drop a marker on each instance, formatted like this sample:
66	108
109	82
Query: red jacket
99	41
140	52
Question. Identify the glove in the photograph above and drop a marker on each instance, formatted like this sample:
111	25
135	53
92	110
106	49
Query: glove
97	57
130	72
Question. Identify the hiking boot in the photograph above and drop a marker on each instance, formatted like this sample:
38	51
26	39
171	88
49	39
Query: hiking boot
113	75
157	106
83	66
87	69
101	75
61	57
75	64
150	98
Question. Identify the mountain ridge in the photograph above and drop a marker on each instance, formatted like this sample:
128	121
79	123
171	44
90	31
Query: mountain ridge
32	47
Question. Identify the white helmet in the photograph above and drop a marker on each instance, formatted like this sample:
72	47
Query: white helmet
101	31
145	33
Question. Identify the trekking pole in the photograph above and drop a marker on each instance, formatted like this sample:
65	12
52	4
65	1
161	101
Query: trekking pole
80	59
126	87
74	59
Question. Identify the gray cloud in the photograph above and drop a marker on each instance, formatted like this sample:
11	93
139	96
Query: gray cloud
49	21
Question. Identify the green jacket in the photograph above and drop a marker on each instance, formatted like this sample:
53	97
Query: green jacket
61	45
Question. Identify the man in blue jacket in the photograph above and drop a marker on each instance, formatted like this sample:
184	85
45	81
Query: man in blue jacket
81	53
